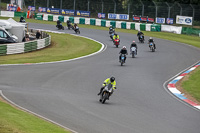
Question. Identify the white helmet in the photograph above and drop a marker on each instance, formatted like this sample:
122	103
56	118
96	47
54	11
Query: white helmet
124	47
150	38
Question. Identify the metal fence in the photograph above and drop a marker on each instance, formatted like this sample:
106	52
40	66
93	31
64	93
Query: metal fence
134	7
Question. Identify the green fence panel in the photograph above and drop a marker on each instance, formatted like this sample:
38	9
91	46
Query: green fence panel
71	19
190	31
50	17
143	26
113	23
3	52
156	27
19	14
27	47
3	47
39	16
47	41
103	23
133	26
61	18
81	20
92	21
34	45
123	25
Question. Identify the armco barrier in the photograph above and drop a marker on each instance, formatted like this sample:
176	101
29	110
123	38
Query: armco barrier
7	14
16	48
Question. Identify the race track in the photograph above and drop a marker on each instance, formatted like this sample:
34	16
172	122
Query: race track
67	92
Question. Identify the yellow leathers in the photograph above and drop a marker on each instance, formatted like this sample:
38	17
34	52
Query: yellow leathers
107	81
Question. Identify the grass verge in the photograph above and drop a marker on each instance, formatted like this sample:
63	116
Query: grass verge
17	121
63	47
192	85
188	39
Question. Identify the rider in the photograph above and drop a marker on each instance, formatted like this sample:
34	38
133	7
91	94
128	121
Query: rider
151	41
123	51
139	34
106	82
21	19
59	23
111	29
68	23
133	44
115	36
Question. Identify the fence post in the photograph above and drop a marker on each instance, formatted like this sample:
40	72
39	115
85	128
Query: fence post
128	9
88	5
74	4
168	9
114	6
34	3
142	8
60	4
156	9
47	3
193	10
101	6
181	8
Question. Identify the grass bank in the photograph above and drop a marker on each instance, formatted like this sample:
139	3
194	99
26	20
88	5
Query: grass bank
13	120
192	84
63	47
190	40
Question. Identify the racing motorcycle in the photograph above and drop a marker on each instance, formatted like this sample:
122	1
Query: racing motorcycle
141	38
116	42
133	52
122	61
77	30
60	27
107	91
111	35
152	48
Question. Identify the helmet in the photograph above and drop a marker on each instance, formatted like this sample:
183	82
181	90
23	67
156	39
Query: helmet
150	38
133	41
112	79
124	47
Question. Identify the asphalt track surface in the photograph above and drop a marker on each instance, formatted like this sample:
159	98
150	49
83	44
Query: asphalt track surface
66	92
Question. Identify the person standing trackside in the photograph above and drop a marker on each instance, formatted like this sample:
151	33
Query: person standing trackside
38	34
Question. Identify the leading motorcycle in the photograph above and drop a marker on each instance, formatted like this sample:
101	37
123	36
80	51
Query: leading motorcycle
107	91
116	42
141	38
77	30
152	48
122	60
133	52
60	27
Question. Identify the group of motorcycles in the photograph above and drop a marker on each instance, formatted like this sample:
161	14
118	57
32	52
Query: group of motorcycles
151	44
69	26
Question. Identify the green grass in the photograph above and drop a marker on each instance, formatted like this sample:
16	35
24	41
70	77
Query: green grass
13	120
192	85
64	47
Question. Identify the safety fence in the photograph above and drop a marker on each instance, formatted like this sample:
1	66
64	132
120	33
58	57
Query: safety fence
24	47
107	23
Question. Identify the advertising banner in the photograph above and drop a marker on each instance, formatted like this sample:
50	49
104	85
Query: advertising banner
83	13
53	10
101	15
150	19
118	16
144	19
135	18
160	20
68	12
31	8
170	21
12	8
183	20
42	9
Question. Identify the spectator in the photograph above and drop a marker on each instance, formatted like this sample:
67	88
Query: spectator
26	38
38	34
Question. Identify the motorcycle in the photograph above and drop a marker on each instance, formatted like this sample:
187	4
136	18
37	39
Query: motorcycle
107	91
133	52
141	38
152	48
122	61
69	26
77	30
116	42
60	27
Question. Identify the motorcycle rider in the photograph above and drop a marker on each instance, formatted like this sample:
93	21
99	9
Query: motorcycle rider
111	29
111	81
116	36
68	23
22	19
123	51
139	34
151	41
133	44
59	23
